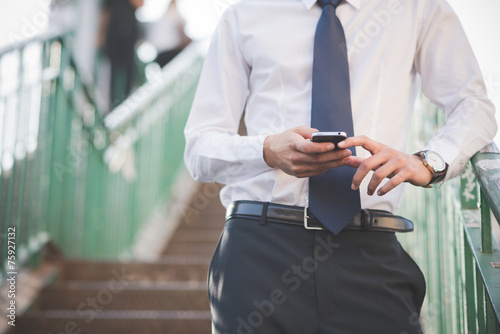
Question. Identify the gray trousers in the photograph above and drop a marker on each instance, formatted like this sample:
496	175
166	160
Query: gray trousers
277	278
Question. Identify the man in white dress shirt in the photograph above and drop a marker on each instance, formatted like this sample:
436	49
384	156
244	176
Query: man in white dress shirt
270	274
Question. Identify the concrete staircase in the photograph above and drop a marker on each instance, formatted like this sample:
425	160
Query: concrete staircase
168	296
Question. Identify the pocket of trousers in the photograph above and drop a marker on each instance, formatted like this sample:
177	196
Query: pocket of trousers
419	279
214	267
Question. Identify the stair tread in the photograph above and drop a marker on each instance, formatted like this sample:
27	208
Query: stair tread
127	299
205	235
130	285
165	259
120	314
167	268
185	259
124	323
191	248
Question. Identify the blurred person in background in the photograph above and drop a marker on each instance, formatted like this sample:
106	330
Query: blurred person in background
118	37
167	34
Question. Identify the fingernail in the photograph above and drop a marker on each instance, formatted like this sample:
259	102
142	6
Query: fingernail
353	187
330	147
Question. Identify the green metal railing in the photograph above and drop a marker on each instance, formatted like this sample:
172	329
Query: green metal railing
28	79
453	242
70	175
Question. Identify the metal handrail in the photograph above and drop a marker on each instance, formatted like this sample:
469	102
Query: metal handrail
453	242
42	37
486	167
88	186
137	103
485	248
16	193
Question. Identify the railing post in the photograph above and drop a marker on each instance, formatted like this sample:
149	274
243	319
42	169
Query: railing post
486	233
490	318
481	311
470	291
469	194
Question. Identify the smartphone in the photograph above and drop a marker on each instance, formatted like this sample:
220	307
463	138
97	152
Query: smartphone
329	137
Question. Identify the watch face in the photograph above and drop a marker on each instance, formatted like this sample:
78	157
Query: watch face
435	160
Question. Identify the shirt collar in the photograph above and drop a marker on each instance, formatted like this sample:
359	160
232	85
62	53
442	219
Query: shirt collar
309	3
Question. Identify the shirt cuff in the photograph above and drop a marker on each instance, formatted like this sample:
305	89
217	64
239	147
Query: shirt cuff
254	144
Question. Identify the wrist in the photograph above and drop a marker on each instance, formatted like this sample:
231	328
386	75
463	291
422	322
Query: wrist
267	151
425	175
435	164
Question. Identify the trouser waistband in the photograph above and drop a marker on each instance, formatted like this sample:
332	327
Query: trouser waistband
365	220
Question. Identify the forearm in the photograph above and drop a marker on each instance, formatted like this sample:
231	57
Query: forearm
469	127
224	158
452	80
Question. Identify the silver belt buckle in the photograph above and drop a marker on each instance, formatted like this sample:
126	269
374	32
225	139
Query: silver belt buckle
306	221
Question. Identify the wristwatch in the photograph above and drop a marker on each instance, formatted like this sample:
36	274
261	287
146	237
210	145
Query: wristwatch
435	164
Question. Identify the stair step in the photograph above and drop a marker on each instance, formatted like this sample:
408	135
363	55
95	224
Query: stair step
215	222
109	321
126	295
186	259
189	248
211	215
201	235
174	268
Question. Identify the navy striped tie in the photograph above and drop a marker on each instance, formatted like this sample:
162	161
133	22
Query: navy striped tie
331	199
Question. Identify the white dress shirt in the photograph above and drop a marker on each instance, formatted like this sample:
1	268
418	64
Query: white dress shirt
260	60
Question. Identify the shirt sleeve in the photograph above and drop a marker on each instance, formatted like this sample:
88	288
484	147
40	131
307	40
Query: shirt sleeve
214	150
452	80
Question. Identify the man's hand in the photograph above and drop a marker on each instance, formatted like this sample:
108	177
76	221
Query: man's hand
385	162
293	153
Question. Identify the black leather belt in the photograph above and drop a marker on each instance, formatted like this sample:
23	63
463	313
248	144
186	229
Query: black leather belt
367	220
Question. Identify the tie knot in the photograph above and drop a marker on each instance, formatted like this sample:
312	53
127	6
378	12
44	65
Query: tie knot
334	3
